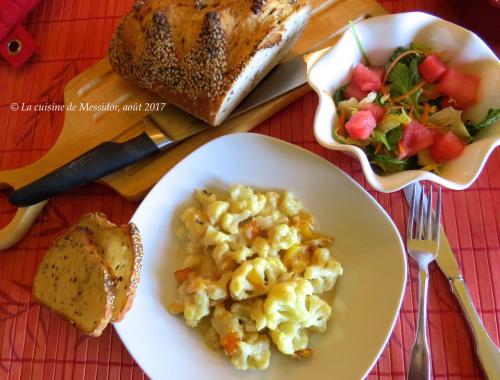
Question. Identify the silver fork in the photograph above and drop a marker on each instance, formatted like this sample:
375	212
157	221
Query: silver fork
422	241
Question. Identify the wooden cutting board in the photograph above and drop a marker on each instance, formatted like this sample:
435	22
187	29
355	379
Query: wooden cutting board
99	84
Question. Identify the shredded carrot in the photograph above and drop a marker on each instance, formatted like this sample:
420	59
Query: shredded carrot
390	108
377	149
412	91
425	113
400	147
182	275
230	343
303	354
397	59
340	125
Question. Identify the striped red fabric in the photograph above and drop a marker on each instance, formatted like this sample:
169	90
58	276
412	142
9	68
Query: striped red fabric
36	344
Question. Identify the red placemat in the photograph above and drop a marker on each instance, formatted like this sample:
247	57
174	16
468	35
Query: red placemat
36	344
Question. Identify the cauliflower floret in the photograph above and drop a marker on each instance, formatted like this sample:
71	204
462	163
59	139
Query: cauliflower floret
252	352
192	301
201	264
287	302
304	222
272	199
290	205
319	313
220	253
217	290
251	314
289	337
296	259
244	198
195	224
204	198
323	271
262	248
214	237
283	236
225	258
255	277
241	254
215	211
225	322
269	221
230	222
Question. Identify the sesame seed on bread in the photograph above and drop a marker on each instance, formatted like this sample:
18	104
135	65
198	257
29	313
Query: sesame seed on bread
204	56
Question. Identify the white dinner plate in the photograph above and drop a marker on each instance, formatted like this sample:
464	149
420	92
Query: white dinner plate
366	299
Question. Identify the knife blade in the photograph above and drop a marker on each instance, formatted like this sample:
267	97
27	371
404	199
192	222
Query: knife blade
159	135
486	350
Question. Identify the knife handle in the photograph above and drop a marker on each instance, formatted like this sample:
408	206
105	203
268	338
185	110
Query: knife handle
486	350
94	164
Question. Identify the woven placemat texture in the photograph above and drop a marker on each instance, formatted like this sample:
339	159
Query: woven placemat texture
36	344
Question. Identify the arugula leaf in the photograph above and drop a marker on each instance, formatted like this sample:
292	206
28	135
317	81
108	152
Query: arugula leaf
400	80
492	117
413	71
379	137
388	164
394	137
338	96
403	78
400	50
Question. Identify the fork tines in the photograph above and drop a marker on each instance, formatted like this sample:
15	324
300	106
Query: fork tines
423	223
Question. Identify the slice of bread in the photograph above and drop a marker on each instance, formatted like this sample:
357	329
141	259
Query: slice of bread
121	251
73	281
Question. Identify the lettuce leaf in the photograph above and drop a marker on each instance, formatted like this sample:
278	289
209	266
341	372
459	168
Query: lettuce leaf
451	120
352	105
392	120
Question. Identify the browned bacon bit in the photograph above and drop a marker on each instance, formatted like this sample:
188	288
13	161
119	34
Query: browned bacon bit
230	343
182	275
303	354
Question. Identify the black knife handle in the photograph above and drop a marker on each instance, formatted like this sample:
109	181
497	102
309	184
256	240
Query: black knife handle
94	164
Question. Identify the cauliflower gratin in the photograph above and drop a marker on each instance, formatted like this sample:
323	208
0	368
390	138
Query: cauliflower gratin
254	265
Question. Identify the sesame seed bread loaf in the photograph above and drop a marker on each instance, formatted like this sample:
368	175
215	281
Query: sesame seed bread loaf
205	56
121	251
73	281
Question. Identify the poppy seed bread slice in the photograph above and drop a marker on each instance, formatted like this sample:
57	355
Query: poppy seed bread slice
121	251
73	281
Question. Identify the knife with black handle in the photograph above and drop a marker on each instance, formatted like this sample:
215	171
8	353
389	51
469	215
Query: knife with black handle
486	350
109	157
96	163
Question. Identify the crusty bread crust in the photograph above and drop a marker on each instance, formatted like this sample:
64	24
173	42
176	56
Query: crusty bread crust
99	225
192	53
135	239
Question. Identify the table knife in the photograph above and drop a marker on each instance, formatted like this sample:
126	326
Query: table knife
486	350
157	136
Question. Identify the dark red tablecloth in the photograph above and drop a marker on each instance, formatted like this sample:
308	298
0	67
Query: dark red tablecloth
36	344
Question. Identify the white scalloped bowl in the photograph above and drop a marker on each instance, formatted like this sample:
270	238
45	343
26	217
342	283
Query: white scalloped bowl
380	36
